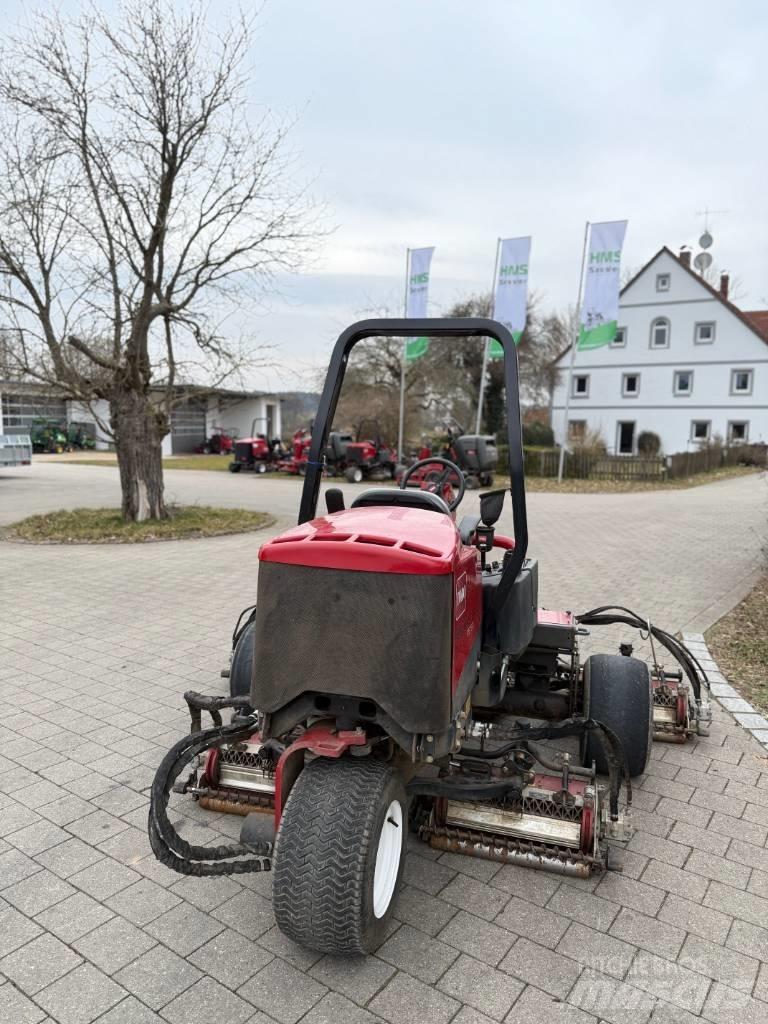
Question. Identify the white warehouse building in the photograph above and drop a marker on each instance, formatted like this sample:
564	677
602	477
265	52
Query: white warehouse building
686	364
198	413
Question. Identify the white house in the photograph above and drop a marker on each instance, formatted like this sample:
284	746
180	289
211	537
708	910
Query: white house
193	420
686	364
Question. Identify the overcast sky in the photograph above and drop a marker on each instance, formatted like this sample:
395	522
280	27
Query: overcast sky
448	123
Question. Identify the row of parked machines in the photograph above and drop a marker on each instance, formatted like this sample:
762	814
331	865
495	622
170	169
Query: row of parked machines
365	456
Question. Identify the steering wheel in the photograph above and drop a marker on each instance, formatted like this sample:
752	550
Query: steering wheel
438	482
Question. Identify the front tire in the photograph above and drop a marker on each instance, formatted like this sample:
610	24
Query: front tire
355	475
261	467
339	855
234	467
618	692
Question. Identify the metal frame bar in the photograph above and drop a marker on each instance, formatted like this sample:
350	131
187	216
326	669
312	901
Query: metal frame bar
450	327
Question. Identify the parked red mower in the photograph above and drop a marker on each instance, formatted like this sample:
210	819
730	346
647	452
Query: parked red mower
221	442
369	457
475	454
435	705
257	453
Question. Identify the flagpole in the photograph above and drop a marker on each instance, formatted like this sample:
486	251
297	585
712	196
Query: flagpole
487	340
574	345
402	364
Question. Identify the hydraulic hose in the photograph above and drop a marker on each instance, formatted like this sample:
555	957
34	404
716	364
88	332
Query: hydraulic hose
168	846
610	615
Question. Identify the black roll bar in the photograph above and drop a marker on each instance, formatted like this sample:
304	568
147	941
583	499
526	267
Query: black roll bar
452	327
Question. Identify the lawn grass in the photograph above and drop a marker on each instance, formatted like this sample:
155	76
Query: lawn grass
217	463
739	645
105	525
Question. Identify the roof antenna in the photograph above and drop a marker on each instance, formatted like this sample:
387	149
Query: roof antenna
703	260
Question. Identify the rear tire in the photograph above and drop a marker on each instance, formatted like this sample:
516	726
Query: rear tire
339	855
234	467
354	475
618	693
261	467
241	668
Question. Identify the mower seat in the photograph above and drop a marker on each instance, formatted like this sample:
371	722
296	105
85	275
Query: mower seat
401	499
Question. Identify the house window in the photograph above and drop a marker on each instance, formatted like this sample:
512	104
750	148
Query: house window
683	382
738	432
577	430
741	382
581	385
700	430
660	333
704	333
620	338
663	282
630	385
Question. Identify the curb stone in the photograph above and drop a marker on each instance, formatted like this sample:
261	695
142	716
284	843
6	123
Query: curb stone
729	698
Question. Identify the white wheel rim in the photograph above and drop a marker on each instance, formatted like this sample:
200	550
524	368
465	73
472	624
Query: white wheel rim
387	859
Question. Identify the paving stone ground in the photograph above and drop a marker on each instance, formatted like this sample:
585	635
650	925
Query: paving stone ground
96	647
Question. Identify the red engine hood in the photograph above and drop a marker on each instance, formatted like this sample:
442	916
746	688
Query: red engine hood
397	540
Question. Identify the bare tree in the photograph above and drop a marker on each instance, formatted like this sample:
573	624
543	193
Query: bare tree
137	196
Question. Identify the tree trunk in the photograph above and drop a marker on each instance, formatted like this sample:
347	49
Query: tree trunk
139	430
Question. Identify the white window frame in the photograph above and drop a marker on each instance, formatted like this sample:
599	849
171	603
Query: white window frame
738	423
624	391
745	391
663	282
619	344
654	323
580	394
704	323
708	434
676	390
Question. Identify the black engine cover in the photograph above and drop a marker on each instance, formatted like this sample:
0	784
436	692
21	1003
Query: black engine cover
382	637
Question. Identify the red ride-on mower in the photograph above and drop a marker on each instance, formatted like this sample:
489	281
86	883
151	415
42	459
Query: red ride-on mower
295	461
434	706
475	454
221	442
368	457
256	452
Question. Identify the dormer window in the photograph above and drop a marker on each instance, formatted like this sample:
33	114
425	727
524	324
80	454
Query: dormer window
660	333
663	281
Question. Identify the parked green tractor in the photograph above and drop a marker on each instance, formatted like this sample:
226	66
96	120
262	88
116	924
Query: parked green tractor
48	436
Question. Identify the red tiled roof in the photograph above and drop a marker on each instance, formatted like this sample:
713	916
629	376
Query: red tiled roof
759	318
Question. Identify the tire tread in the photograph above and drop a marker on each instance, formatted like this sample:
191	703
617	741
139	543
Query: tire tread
321	853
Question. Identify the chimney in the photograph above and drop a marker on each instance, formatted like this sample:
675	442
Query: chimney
724	282
685	257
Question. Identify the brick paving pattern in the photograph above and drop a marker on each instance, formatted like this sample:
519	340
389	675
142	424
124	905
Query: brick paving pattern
97	645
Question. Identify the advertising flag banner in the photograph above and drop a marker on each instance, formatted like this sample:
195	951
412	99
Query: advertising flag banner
418	290
511	298
600	308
